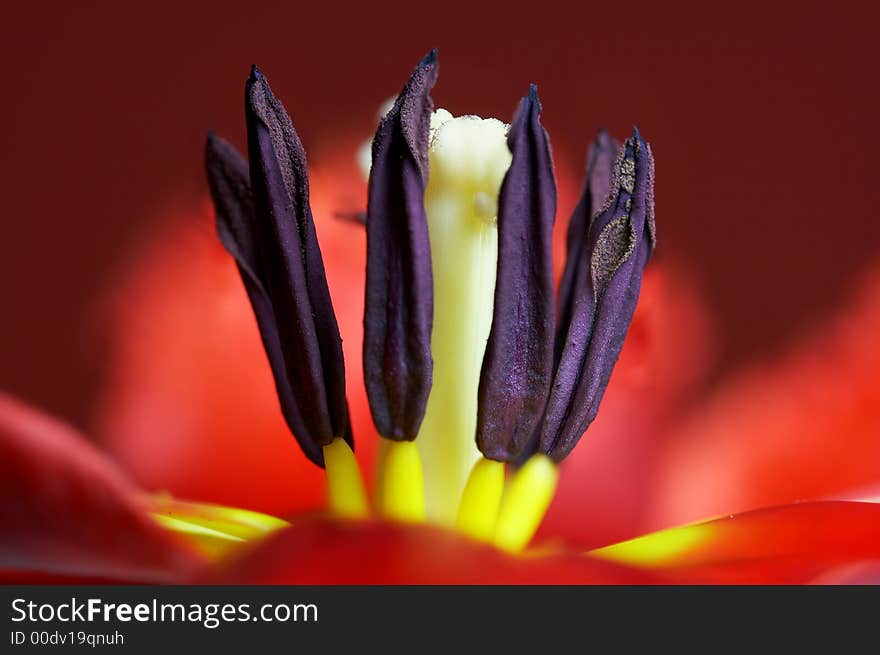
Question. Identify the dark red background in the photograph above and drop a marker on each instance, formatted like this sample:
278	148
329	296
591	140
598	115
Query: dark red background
762	118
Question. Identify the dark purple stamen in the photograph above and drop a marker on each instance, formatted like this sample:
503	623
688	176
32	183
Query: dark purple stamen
600	162
268	228
540	384
518	363
599	291
399	307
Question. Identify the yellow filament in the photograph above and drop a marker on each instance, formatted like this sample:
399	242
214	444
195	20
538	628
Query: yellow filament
345	486
378	483
525	503
402	492
480	500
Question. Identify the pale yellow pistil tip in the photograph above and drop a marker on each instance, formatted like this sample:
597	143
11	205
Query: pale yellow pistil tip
478	510
526	501
402	493
345	487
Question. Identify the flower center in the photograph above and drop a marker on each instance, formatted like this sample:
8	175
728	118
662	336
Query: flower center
464	352
440	476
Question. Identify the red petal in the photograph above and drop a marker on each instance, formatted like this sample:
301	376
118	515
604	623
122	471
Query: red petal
323	551
66	510
794	544
805	427
858	573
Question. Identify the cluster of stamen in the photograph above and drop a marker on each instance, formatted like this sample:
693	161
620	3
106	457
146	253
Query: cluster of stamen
468	367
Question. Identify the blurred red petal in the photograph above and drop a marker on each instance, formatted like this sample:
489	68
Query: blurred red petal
66	510
189	406
858	573
803	427
794	544
607	482
324	551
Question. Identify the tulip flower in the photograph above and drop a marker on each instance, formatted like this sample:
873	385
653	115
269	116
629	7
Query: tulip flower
478	386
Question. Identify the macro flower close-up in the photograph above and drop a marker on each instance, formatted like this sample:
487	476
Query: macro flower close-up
407	364
581	311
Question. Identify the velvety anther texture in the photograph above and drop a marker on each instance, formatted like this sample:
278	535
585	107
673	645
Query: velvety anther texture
601	291
518	363
600	164
399	307
265	222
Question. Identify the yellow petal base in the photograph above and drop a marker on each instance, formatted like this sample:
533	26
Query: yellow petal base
214	530
661	548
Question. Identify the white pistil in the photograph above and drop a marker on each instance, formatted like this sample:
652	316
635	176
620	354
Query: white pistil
468	160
